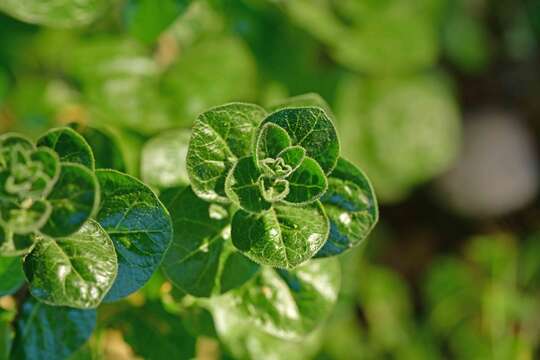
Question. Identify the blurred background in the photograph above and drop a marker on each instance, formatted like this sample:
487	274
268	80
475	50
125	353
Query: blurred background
437	100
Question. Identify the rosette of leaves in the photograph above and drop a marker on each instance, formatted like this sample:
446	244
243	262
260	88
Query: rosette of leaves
85	234
267	191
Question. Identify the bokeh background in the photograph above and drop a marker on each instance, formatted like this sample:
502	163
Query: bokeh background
437	100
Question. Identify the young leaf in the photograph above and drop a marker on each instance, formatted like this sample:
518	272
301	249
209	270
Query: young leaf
76	270
285	236
70	146
104	145
271	140
11	275
198	261
163	159
273	189
138	224
286	304
10	140
292	156
220	136
307	183
351	206
12	244
242	186
312	129
50	332
25	218
74	200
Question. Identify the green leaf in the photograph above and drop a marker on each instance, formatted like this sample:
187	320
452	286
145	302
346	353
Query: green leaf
104	145
351	206
304	100
285	304
50	332
69	145
242	186
273	189
200	261
74	199
77	270
271	140
10	140
11	275
138	224
60	13
163	159
285	236
147	18
307	183
312	129
12	244
6	335
292	156
220	136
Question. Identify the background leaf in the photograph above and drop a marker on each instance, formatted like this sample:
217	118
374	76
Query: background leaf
138	224
11	275
44	331
77	270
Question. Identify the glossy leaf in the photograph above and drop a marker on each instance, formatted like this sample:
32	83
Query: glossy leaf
104	145
286	304
138	224
351	206
312	129
285	236
220	136
77	270
307	183
11	275
242	186
69	145
199	261
163	159
271	140
50	332
74	199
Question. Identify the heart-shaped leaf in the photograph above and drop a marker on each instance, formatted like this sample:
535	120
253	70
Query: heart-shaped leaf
312	129
77	270
243	188
285	236
200	261
220	136
50	332
271	140
307	183
286	304
74	199
273	189
11	275
138	224
69	145
292	156
351	206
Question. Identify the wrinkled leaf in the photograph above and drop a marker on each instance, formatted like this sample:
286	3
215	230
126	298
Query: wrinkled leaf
312	129
77	270
24	219
12	244
163	159
351	206
220	136
307	183
74	199
285	236
50	332
199	261
271	140
243	188
11	275
138	224
286	304
69	145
